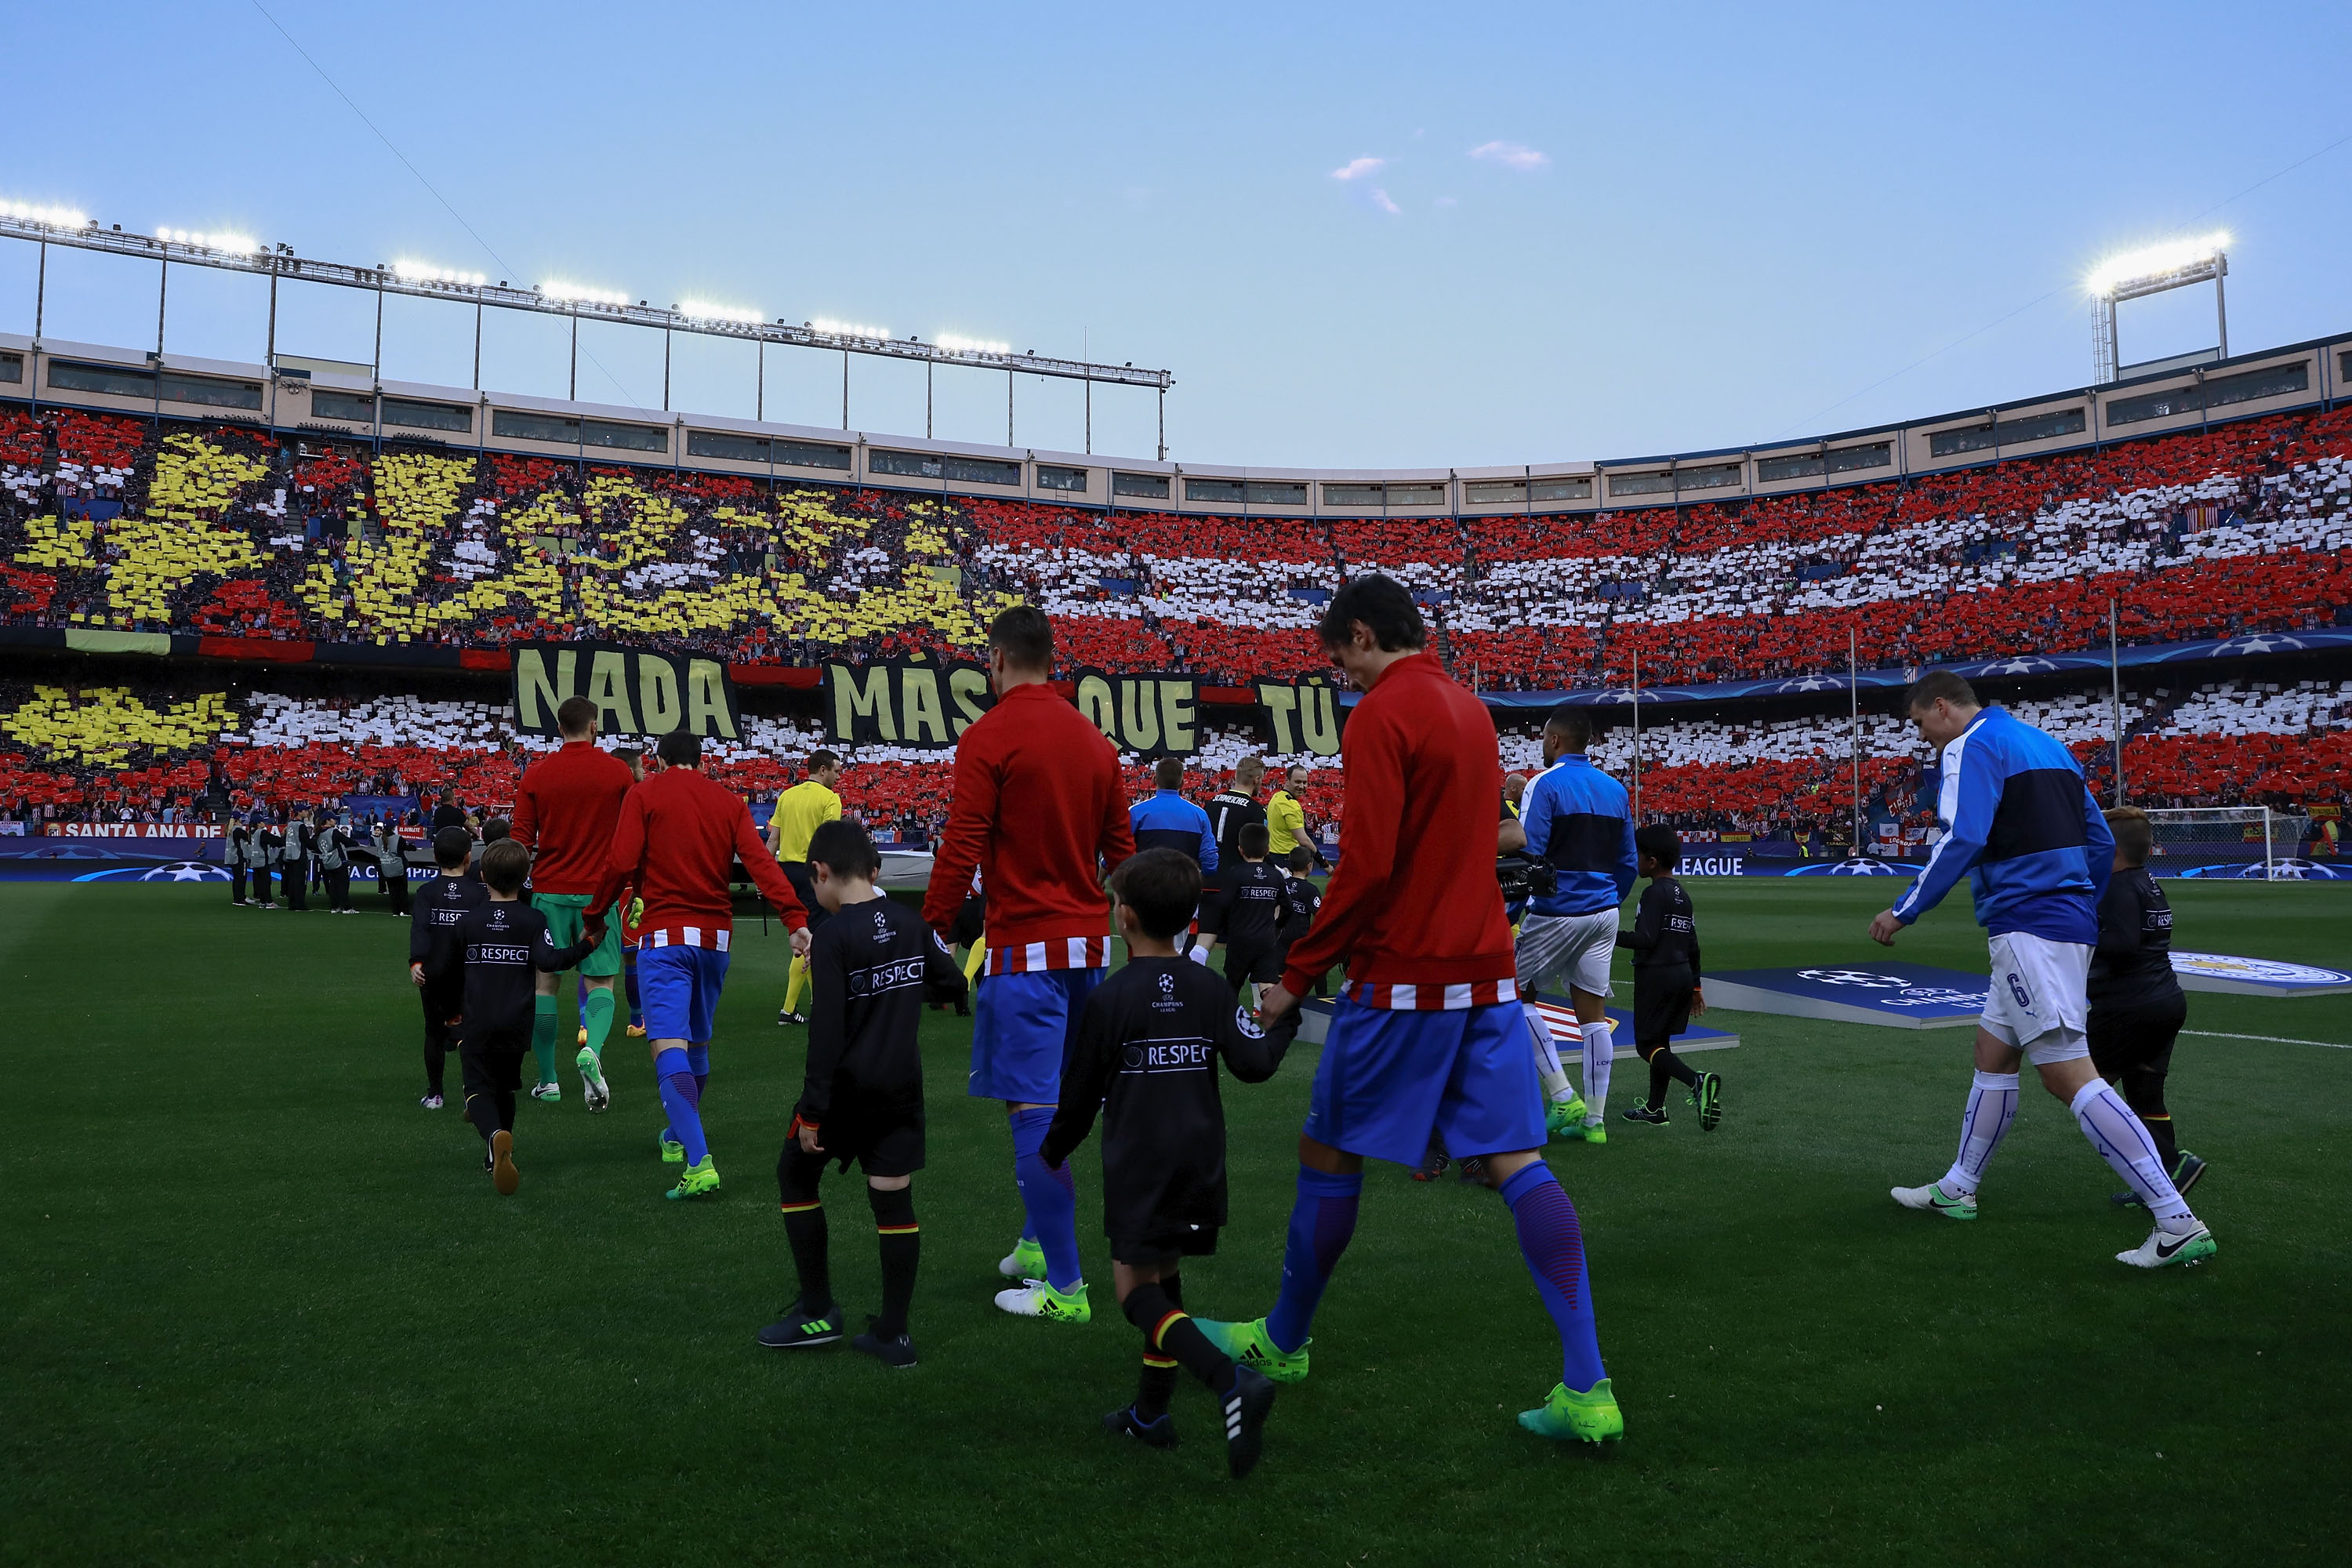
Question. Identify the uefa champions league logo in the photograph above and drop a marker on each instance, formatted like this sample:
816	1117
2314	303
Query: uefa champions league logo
1864	978
170	871
1246	1022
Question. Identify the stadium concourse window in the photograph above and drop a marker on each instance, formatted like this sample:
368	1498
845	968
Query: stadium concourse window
1812	465
11	367
347	407
933	466
1519	492
757	449
1640	484
1053	477
114	381
2008	433
1246	492
1144	487
410	414
1384	495
2218	391
1710	477
550	427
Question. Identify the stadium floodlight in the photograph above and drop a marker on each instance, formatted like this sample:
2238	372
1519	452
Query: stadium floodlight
48	218
581	294
2174	264
426	272
955	342
736	315
226	240
833	328
2121	277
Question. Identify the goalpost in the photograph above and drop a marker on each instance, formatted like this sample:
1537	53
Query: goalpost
2190	831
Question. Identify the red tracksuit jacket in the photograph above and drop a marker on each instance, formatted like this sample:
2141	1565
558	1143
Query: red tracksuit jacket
679	835
565	809
1414	904
1039	810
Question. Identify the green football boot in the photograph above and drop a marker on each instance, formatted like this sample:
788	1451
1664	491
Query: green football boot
673	1152
1247	1343
1561	1117
1037	1298
1569	1416
1025	1261
698	1180
1936	1200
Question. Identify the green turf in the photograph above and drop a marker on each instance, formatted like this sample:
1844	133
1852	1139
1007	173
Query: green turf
260	1307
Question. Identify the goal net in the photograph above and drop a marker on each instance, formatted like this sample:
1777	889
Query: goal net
2266	841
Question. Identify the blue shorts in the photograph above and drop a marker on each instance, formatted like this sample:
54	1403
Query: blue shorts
677	991
1023	1029
1389	1077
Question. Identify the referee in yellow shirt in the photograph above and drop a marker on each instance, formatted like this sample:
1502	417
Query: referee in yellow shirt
799	811
1285	821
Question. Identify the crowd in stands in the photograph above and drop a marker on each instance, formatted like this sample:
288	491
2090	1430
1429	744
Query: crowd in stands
162	753
227	531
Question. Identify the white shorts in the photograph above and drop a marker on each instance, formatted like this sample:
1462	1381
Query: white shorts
1562	951
2034	1000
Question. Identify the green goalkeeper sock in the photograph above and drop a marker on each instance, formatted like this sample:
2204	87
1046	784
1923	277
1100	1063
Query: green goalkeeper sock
597	1017
542	1037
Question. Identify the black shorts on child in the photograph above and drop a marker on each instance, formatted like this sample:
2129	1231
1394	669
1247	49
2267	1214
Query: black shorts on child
1165	1249
1662	1003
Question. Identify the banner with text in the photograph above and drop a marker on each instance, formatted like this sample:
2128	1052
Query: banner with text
1155	715
1301	716
903	702
637	691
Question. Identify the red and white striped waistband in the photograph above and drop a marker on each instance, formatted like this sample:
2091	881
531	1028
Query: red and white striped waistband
1432	998
1062	953
715	938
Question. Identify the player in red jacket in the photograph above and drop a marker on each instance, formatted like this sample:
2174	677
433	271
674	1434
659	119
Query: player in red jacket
1428	1033
678	840
1039	812
564	812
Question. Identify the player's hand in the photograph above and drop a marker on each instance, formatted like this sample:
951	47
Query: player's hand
801	940
1883	928
593	929
1698	1002
1277	1002
806	1134
417	974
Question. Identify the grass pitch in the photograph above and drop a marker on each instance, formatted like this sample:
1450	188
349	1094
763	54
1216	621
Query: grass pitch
260	1307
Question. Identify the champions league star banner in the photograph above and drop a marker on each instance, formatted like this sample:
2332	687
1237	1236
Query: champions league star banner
1301	716
637	691
1155	715
915	703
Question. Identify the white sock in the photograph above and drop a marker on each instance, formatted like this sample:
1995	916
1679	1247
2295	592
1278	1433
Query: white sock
2123	1143
1547	1067
1993	1106
1599	1050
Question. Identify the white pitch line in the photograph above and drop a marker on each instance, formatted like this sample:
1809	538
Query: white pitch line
2266	1039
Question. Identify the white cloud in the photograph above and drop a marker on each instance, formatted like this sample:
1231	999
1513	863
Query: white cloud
1511	155
1357	168
1381	200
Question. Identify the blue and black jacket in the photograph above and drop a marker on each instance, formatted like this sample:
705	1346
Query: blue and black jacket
2019	820
1166	820
1578	820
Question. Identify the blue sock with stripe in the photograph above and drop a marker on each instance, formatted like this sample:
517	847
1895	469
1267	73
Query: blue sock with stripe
1051	1198
1553	1246
1322	1221
682	1098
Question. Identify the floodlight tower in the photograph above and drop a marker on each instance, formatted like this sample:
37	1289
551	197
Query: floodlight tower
2159	267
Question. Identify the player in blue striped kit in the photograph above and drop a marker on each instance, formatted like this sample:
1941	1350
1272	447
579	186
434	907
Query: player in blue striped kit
2018	821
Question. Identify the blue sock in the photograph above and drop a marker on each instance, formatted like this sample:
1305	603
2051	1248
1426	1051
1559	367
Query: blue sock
681	1096
1051	1198
1554	1248
697	1062
629	974
1321	1222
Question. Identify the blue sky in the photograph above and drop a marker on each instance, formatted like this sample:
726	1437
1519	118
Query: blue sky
1367	236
